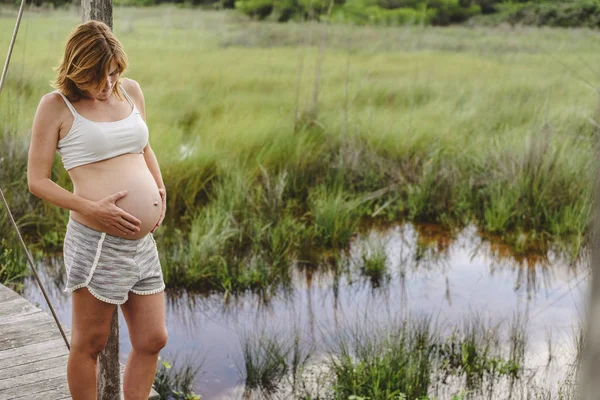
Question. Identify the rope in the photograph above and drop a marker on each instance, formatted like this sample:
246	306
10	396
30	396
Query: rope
12	220
12	44
30	259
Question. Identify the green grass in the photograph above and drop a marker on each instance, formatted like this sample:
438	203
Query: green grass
374	261
408	359
446	126
174	381
244	238
335	216
269	359
399	359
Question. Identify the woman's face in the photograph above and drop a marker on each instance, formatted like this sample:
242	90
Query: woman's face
112	79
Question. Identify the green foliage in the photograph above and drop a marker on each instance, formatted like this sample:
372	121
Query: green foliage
403	360
377	12
134	3
272	357
284	10
374	261
13	265
176	383
435	12
452	11
335	215
565	14
472	354
560	13
396	360
259	9
317	7
369	12
245	238
265	361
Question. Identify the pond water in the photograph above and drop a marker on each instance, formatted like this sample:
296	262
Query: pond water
430	274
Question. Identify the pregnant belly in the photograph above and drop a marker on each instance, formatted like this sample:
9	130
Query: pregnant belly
127	172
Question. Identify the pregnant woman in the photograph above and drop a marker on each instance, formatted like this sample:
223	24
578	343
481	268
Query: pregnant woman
96	121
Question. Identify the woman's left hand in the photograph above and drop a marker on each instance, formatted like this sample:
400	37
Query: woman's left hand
163	196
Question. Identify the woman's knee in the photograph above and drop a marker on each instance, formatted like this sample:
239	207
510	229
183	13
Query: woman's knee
152	342
91	322
90	343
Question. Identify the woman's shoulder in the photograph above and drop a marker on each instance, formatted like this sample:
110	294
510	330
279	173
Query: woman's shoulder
134	91
51	97
52	102
132	87
52	112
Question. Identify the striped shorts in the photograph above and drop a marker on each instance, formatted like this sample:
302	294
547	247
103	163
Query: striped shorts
110	266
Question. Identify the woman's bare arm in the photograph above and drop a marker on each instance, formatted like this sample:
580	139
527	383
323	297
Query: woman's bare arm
135	92
44	138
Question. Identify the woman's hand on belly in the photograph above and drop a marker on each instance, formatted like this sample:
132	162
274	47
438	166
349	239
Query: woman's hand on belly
127	173
109	214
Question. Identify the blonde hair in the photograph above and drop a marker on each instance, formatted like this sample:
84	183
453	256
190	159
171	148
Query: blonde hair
89	52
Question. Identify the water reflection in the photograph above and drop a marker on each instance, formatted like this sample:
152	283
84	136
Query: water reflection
431	272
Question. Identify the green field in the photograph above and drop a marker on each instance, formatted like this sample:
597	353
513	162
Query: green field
277	138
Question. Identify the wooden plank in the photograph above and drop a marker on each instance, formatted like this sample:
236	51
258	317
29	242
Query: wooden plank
52	394
21	317
17	331
16	306
26	320
27	357
6	304
33	366
49	387
25	390
6	289
33	348
6	294
30	338
36	377
34	324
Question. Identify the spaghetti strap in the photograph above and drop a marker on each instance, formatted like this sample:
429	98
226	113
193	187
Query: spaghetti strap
68	103
127	96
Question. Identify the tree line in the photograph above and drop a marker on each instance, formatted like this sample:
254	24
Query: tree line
560	13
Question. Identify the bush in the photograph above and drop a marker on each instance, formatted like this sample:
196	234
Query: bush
176	384
369	12
451	11
314	7
38	3
379	12
255	8
284	10
135	3
560	14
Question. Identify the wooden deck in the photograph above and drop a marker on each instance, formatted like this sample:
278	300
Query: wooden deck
33	354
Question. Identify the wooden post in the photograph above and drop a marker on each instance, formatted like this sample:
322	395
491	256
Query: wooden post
98	10
590	358
109	368
108	372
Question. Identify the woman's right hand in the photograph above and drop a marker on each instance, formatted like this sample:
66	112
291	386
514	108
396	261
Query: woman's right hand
111	215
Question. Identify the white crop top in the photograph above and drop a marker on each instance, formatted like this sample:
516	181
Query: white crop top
89	141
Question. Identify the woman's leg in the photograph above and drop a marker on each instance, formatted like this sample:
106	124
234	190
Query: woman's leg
89	333
145	317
